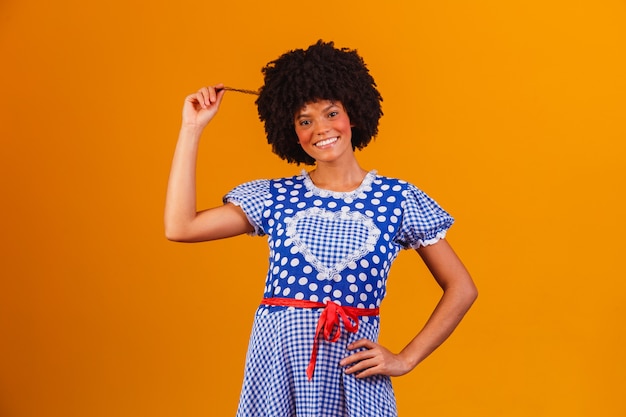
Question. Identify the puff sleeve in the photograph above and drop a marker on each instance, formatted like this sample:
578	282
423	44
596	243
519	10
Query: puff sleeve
424	222
251	197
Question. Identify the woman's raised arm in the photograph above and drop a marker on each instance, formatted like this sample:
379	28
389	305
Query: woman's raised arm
183	222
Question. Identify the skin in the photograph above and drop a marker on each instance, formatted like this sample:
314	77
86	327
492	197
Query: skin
183	222
337	169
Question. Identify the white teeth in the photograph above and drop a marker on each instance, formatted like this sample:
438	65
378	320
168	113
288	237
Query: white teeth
326	142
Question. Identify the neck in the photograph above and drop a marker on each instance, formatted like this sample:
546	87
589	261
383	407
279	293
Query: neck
338	177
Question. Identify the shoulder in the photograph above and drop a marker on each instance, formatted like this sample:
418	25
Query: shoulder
287	182
255	187
393	184
264	187
407	192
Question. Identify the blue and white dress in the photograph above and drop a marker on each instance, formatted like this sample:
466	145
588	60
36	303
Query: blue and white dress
326	246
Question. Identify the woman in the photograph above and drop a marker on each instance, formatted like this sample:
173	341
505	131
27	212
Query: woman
333	233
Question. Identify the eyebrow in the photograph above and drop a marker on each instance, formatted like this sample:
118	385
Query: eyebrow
304	115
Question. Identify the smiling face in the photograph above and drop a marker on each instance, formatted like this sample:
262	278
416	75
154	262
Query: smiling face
324	131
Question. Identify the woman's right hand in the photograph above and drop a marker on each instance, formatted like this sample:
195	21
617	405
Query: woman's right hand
201	106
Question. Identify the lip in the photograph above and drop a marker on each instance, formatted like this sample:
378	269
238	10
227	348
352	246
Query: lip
326	142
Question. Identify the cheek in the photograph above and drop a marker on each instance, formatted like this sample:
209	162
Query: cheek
346	123
301	135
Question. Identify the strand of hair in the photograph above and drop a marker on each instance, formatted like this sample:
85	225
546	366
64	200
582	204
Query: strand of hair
240	90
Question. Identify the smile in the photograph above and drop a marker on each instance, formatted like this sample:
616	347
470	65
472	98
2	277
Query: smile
326	141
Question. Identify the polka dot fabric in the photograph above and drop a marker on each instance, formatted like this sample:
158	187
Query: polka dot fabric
326	246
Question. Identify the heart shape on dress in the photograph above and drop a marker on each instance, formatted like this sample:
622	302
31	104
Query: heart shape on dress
331	240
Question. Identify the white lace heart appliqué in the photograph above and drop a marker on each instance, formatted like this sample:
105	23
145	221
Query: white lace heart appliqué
330	241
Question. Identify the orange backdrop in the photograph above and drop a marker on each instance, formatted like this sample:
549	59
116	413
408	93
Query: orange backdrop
510	114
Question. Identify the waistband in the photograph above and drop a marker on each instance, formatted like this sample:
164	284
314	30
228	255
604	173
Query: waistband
328	325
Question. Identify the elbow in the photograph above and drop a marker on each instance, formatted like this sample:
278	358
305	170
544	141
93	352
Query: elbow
172	236
175	234
465	293
471	293
474	295
183	233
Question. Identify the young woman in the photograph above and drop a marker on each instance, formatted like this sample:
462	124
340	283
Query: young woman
333	233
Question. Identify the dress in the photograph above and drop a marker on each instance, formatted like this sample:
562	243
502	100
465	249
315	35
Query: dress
326	246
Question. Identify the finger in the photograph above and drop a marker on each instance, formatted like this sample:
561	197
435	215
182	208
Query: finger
192	98
214	92
362	343
194	102
375	370
362	366
209	96
205	94
212	95
197	98
357	357
219	93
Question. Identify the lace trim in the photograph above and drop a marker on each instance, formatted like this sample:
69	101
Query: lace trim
431	241
328	272
366	183
258	230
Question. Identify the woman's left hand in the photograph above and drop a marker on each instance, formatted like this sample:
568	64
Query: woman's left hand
374	360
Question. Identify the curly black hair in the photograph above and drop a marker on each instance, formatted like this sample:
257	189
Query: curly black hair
321	72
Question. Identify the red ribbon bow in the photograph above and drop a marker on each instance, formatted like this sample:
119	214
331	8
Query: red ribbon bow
329	322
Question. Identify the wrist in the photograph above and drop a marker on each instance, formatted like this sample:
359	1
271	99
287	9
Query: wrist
191	130
411	361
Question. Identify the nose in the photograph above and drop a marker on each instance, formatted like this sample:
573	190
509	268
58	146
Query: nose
323	126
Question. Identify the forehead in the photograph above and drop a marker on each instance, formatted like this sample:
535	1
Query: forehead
318	105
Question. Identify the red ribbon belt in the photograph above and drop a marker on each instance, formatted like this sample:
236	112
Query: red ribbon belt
328	322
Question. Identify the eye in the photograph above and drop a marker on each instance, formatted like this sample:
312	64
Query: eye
304	122
333	113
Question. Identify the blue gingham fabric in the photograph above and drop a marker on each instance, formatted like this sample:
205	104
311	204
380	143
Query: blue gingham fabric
326	246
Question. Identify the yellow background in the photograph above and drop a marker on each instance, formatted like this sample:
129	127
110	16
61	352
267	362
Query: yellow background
509	113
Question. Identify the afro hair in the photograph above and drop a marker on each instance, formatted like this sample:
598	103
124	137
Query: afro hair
321	72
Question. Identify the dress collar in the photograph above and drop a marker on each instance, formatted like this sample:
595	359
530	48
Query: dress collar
366	185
